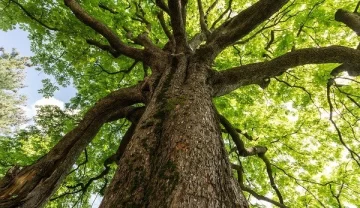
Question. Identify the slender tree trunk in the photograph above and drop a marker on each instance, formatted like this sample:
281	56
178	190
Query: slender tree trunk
176	157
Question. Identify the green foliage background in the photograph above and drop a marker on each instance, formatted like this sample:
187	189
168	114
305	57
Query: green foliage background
12	75
311	166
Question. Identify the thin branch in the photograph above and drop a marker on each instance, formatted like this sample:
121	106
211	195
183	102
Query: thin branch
337	196
272	38
345	93
245	152
142	39
84	187
140	16
104	7
348	95
296	181
347	78
107	48
270	175
126	71
353	154
203	25
81	164
351	125
357	7
228	80
308	17
33	17
105	31
65	194
228	8
161	19
301	88
212	6
303	180
278	18
245	134
239	171
113	158
161	4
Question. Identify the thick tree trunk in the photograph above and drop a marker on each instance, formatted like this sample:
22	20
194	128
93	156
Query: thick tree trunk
176	157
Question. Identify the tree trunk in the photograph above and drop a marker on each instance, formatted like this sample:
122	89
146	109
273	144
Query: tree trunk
176	157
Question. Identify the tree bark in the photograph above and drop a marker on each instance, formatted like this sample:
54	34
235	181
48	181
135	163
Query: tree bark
32	186
176	157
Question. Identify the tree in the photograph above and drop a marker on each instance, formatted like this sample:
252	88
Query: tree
12	75
190	90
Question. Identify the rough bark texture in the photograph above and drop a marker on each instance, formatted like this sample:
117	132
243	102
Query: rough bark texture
256	73
352	20
176	157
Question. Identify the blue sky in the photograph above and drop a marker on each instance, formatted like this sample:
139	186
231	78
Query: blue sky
18	39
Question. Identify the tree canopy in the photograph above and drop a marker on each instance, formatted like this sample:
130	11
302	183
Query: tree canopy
289	108
12	75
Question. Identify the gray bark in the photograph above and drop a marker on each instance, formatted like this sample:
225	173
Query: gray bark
176	157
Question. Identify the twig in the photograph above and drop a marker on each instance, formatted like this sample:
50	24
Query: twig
126	71
270	175
161	19
239	171
83	163
33	17
103	6
107	48
353	154
222	15
245	152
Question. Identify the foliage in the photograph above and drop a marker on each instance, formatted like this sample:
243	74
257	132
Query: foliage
306	117
12	75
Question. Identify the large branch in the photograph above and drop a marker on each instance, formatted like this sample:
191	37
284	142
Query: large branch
34	184
177	14
242	24
161	4
352	20
203	25
161	19
228	80
105	31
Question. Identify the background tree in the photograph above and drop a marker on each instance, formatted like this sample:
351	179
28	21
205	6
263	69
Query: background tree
12	75
180	82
